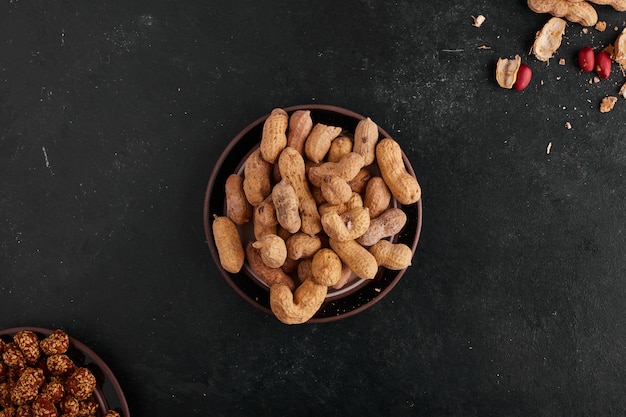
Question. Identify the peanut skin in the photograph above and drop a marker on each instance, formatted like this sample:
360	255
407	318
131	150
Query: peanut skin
355	257
402	185
238	208
285	201
387	224
256	182
365	138
274	137
298	307
228	243
270	276
300	125
395	256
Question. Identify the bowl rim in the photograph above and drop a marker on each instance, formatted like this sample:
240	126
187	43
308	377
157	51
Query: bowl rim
125	412
211	184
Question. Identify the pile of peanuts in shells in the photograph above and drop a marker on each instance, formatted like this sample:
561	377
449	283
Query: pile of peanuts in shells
320	202
39	379
511	73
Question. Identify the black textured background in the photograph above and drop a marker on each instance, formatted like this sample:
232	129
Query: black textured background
112	114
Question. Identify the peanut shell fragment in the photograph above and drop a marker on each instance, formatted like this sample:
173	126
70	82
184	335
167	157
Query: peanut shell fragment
548	39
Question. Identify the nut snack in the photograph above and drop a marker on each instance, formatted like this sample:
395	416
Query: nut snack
336	188
39	379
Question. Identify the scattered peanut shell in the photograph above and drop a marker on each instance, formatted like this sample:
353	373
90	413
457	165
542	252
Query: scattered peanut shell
506	71
548	39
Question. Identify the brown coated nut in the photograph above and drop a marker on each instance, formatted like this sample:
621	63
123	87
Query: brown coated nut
69	406
549	38
318	142
326	267
257	178
286	205
292	170
57	342
402	185
269	276
335	190
377	196
347	168
272	249
5	394
301	245
300	125
355	257
387	224
339	147
238	208
43	406
228	244
23	410
87	408
13	356
53	390
80	383
365	138
395	256
28	342
274	135
347	226
59	364
297	307
27	386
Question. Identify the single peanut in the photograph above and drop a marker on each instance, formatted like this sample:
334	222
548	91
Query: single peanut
228	244
318	142
356	257
572	10
346	274
402	185
297	307
390	222
339	147
286	204
302	245
264	218
273	136
335	190
256	182
272	249
393	256
305	269
524	75
238	209
365	138
347	226
326	267
359	182
292	170
300	125
347	168
603	64
355	201
270	276
377	196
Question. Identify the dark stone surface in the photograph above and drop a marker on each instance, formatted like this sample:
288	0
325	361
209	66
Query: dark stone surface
113	113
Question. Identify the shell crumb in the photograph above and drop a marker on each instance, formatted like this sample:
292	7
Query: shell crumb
607	104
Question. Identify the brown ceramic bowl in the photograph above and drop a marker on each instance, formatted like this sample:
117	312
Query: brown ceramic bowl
358	294
108	393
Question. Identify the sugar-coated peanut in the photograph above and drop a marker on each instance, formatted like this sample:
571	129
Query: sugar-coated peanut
301	245
356	257
318	142
269	276
365	138
359	182
257	178
339	147
300	125
272	249
347	226
228	244
264	218
238	209
335	190
387	224
402	185
274	135
292	170
299	306
355	201
377	196
286	204
393	256
326	267
347	168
